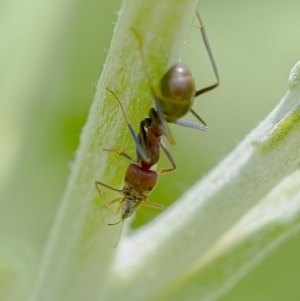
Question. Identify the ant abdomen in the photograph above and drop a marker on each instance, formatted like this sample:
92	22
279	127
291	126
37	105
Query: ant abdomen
176	92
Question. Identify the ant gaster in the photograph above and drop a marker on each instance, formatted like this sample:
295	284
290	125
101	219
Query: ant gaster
176	91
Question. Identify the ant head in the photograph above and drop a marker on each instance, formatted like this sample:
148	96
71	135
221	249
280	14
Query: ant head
139	182
176	92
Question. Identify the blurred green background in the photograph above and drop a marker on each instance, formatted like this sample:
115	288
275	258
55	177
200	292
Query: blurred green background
48	78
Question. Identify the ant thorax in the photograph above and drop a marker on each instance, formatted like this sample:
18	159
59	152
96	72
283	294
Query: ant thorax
153	148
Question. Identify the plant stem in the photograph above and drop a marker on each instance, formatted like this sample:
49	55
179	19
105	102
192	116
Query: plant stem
176	239
79	252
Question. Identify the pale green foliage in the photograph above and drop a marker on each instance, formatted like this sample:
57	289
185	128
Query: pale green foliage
198	248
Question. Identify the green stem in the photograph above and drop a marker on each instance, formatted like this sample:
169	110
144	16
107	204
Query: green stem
176	239
79	252
234	255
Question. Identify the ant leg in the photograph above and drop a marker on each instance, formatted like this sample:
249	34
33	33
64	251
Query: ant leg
115	200
102	194
107	186
204	126
205	40
120	153
165	129
140	42
143	137
152	205
168	154
118	199
137	142
200	119
193	125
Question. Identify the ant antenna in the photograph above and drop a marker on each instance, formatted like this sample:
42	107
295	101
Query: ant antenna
119	235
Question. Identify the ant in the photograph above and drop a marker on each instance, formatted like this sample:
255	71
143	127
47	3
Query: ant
176	91
139	179
173	100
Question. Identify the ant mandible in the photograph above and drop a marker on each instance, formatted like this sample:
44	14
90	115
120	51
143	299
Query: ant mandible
176	91
139	179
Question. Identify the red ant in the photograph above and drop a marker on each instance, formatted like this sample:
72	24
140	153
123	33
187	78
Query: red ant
176	91
140	180
173	100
